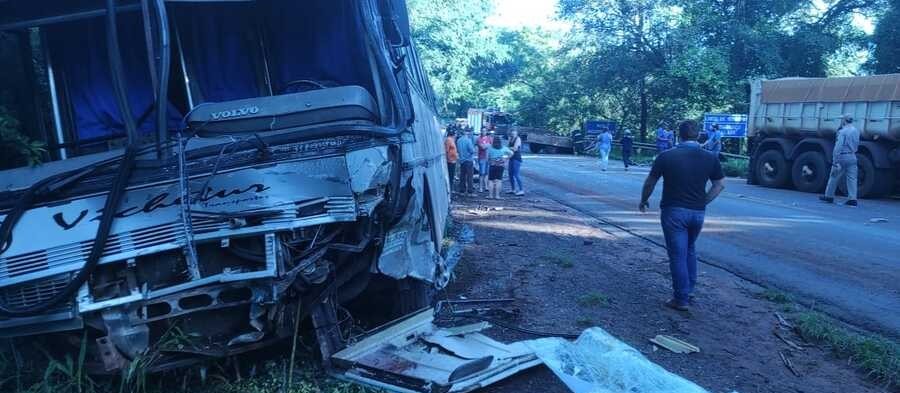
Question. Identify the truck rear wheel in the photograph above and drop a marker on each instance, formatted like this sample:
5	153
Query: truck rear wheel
810	172
772	169
872	182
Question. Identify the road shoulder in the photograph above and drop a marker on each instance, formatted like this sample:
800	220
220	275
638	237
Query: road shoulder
568	272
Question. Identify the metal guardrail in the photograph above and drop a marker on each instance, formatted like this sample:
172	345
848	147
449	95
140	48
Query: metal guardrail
653	146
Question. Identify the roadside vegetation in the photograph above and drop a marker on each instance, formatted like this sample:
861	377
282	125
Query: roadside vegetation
44	373
645	62
876	356
735	167
593	300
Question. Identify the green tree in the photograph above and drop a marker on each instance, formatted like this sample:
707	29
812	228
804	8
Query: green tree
886	55
452	37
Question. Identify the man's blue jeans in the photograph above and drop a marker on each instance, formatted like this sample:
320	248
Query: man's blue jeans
681	228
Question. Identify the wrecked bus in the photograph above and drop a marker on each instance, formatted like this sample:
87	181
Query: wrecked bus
223	169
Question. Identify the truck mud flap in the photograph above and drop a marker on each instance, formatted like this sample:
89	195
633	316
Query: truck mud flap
414	355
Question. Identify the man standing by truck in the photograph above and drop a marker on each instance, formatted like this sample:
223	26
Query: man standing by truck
844	163
685	170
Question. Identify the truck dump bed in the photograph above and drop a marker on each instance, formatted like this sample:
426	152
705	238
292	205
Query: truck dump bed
813	106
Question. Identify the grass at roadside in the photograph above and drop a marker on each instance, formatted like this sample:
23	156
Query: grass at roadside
776	296
68	375
593	299
878	357
735	167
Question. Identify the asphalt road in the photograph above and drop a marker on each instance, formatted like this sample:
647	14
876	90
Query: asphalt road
830	257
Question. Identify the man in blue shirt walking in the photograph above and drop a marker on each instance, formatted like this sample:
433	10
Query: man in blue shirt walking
685	170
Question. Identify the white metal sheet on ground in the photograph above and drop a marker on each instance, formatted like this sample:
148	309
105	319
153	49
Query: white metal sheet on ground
597	362
414	355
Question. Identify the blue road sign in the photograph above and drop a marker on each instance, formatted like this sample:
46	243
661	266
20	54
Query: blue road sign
595	127
731	126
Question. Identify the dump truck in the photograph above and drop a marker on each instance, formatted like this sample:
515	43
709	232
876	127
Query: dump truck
223	170
541	140
793	123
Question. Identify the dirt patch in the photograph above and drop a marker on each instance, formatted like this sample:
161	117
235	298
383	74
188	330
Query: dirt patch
568	272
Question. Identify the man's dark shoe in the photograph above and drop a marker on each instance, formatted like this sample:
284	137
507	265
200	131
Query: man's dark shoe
852	202
676	305
826	199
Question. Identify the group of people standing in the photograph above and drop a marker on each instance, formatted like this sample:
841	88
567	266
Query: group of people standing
665	140
491	156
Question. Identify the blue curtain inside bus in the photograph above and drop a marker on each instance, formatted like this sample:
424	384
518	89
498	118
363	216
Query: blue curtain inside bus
318	40
79	56
221	49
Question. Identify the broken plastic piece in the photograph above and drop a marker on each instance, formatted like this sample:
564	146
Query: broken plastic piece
673	344
599	363
464	329
414	355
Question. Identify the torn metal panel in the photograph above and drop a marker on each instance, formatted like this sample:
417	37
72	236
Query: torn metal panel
414	355
598	362
369	169
409	248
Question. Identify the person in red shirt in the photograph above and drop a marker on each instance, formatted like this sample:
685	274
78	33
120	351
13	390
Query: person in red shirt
484	143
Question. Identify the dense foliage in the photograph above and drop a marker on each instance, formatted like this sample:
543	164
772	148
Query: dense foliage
16	149
641	62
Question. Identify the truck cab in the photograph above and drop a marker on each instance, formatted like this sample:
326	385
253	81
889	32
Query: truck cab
223	169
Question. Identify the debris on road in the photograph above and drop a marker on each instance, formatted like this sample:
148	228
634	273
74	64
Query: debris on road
783	322
673	344
878	220
465	329
413	354
598	362
789	364
786	341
